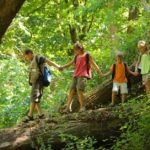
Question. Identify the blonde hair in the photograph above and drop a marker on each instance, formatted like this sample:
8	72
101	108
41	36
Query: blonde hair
143	44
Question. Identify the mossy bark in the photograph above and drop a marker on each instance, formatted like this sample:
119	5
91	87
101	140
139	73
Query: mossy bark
100	124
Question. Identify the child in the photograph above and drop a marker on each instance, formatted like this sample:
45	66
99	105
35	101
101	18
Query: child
144	64
83	62
118	72
35	82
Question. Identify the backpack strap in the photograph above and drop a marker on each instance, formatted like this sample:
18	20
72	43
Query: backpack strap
114	71
87	62
75	59
39	62
126	71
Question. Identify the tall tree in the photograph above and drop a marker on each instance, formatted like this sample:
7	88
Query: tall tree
8	10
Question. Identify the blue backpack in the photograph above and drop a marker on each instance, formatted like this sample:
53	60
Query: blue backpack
46	75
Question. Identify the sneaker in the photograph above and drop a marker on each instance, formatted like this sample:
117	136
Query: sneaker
42	116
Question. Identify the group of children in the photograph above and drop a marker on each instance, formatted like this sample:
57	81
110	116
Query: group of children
83	63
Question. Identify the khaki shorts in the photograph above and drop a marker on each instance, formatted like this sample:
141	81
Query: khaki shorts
146	78
122	86
37	91
79	83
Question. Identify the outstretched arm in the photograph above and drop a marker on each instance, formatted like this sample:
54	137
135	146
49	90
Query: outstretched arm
109	72
51	63
95	66
131	72
68	65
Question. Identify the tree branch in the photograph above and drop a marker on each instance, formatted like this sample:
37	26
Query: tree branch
91	22
38	8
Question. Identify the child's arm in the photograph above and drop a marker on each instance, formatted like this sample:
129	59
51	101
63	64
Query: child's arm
67	65
131	72
106	74
51	63
95	66
109	72
138	63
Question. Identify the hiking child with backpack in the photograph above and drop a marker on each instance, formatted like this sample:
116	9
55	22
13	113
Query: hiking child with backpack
37	81
83	63
144	64
119	76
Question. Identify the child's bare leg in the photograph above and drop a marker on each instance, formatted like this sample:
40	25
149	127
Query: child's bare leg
113	98
81	98
123	97
32	107
70	97
39	109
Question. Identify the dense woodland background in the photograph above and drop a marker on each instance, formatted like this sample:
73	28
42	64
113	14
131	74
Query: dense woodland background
50	28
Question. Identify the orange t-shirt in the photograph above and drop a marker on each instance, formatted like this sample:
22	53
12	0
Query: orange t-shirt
119	73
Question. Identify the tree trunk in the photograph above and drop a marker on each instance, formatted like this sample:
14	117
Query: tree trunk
8	10
100	124
73	34
133	14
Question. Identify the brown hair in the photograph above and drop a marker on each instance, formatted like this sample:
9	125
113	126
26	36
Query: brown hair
119	54
28	51
78	45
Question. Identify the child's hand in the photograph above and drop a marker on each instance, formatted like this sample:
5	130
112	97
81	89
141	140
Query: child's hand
101	75
136	74
60	68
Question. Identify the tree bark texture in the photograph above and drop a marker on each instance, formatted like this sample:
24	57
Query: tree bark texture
100	124
8	10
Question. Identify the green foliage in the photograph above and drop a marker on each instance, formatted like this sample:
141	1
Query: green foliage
14	94
102	26
41	145
136	131
46	26
70	142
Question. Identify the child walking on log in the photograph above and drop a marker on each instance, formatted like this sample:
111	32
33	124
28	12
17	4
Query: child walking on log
119	77
36	82
83	63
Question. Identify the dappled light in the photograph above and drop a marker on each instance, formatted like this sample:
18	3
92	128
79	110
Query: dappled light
75	74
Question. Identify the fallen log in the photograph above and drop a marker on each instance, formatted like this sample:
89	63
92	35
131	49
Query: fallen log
100	124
